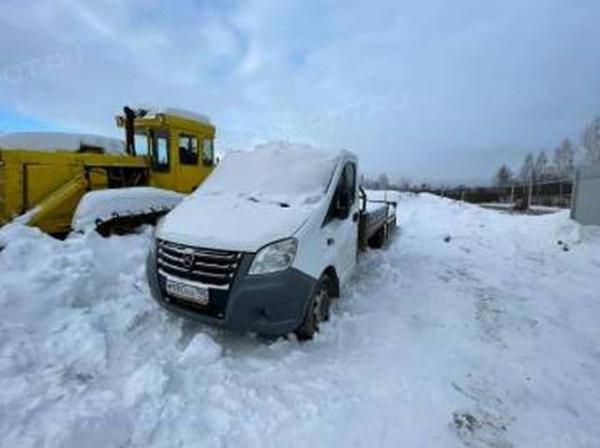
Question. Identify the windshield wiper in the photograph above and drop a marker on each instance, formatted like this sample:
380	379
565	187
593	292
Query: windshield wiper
281	204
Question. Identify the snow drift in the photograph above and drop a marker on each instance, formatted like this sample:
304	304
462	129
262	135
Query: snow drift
475	328
102	205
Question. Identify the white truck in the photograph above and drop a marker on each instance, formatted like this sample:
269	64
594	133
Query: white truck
267	241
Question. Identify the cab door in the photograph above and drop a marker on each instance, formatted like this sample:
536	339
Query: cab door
341	233
163	173
188	168
195	160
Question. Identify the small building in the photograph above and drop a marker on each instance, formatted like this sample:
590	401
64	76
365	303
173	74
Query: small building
585	206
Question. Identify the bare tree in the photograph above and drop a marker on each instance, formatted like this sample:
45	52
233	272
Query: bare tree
551	172
563	159
503	176
383	182
400	182
527	169
591	140
540	168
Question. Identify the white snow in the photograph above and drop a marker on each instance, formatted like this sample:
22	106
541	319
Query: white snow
383	195
488	339
276	171
152	111
105	204
253	198
59	141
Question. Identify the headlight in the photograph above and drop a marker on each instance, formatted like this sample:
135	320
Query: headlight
274	257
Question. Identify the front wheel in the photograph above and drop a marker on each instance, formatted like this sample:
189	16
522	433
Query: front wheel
317	310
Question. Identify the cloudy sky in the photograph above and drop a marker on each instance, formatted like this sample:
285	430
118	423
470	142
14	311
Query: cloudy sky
433	89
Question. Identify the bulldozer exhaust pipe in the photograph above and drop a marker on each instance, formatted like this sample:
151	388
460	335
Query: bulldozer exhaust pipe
129	114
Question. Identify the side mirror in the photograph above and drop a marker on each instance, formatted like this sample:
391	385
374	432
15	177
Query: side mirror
343	204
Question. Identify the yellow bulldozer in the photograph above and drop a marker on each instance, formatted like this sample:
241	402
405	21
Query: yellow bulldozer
47	178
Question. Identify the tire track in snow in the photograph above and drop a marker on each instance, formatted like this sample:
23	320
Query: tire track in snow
485	419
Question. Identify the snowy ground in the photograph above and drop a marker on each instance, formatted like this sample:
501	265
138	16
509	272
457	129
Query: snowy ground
475	328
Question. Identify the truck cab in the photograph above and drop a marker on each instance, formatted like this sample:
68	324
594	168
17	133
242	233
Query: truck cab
283	237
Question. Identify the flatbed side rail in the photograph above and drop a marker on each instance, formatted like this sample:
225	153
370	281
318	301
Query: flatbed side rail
376	225
364	200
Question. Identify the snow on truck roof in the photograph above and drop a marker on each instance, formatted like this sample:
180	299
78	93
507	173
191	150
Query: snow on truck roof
278	171
59	141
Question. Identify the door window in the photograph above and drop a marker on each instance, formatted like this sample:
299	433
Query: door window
142	144
347	182
349	179
188	149
160	151
207	148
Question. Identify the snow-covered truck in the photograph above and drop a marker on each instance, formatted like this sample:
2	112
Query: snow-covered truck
48	178
267	241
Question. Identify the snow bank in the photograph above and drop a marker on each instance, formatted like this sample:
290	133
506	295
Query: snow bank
106	204
59	141
474	328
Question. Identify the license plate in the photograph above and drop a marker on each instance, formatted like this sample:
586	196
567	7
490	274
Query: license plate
190	293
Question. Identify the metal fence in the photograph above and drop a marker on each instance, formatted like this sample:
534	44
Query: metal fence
553	193
585	207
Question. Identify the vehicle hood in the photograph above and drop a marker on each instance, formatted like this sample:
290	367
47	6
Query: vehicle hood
232	222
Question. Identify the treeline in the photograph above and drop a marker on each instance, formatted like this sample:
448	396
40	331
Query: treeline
383	182
538	168
400	183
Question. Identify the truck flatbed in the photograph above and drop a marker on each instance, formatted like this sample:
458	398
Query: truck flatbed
377	221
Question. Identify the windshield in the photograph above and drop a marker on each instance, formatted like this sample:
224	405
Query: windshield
279	172
153	143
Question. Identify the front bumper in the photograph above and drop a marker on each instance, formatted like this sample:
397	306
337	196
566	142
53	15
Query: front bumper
270	304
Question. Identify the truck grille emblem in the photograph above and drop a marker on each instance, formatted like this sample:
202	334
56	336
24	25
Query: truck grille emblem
188	260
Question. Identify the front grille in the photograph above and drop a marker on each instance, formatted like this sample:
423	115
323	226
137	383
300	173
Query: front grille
213	268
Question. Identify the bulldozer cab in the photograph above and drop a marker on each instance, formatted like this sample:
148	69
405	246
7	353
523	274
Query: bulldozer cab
178	145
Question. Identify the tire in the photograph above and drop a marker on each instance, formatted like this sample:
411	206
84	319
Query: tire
317	310
377	241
